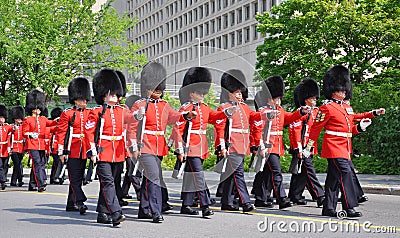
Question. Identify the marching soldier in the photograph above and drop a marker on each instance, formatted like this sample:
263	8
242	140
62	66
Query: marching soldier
234	140
302	168
147	138
72	145
105	132
129	179
55	115
5	130
34	130
17	146
336	145
192	141
272	167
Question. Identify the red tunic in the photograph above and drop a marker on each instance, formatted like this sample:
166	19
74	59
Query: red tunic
198	144
297	126
18	139
240	129
78	143
112	140
5	130
37	125
339	127
276	133
159	114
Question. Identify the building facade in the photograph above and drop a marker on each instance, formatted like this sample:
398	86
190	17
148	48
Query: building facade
219	34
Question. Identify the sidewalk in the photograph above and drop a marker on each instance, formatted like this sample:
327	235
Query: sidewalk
375	184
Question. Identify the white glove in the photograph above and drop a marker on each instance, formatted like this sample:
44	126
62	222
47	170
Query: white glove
141	113
308	148
365	122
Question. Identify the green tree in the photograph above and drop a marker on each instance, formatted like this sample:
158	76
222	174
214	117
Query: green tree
306	37
45	43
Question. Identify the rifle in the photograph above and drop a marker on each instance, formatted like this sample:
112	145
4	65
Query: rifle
266	136
253	155
139	135
67	146
11	148
304	129
180	166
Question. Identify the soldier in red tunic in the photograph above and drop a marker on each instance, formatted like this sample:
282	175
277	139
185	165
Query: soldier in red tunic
70	139
233	137
302	168
105	132
337	120
34	130
55	115
192	141
272	167
17	145
5	130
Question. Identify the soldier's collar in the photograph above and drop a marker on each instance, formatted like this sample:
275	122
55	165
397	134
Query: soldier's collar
78	108
337	101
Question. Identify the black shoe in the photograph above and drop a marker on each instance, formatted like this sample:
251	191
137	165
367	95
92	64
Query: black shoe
247	207
213	202
123	203
157	217
117	218
82	209
284	203
218	195
299	201
320	201
104	218
20	184
166	207
32	189
13	184
42	189
3	186
353	213
85	182
270	199
60	181
188	210
127	196
142	215
362	199
73	208
138	196
227	207
329	213
259	203
206	211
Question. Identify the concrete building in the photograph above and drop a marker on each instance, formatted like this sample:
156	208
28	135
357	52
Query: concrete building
219	34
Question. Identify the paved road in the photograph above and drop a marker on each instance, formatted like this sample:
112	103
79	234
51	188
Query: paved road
32	214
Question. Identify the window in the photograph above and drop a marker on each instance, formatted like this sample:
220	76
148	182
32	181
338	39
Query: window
239	15
232	38
225	41
219	23
201	12
213	26
225	3
264	5
207	9
195	14
255	33
247	12
212	6
226	20
201	31
239	37
207	27
212	46
255	8
232	18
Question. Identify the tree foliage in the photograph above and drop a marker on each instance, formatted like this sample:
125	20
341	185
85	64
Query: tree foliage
45	43
306	37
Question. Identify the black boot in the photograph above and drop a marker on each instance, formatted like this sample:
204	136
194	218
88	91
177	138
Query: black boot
104	218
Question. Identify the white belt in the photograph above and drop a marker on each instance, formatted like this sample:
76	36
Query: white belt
199	132
337	133
306	134
3	143
154	133
111	137
18	141
243	131
276	133
78	135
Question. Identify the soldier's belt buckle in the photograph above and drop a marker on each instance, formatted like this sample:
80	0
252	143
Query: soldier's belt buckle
349	135
82	136
244	131
158	133
113	138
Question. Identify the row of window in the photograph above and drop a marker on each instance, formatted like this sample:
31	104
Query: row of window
225	41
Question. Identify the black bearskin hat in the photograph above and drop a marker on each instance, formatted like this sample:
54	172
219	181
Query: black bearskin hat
121	77
307	88
231	81
131	100
56	112
17	112
35	99
337	78
153	77
45	112
296	96
106	81
349	92
275	86
196	79
78	88
3	111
